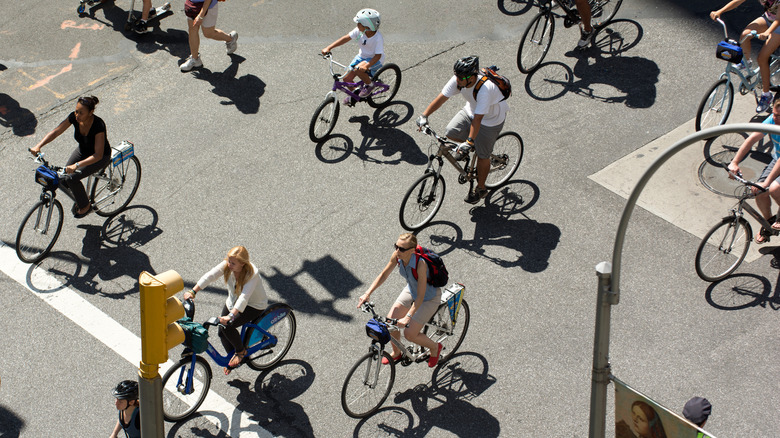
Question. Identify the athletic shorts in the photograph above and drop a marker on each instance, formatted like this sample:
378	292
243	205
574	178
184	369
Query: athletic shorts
458	129
426	310
374	68
210	20
767	171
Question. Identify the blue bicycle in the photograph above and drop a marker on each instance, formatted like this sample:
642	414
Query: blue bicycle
267	340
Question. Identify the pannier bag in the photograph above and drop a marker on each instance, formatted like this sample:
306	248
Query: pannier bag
729	50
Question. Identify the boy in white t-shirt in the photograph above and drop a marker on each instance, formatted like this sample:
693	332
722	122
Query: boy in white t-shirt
371	55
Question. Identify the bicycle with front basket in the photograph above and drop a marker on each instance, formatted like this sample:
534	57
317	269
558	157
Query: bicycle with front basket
715	107
267	340
386	82
538	36
110	190
369	382
724	247
424	198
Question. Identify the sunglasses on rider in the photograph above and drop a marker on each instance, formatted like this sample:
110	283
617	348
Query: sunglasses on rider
400	248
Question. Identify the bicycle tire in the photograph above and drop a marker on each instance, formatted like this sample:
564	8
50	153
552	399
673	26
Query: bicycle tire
717	101
284	330
441	319
535	42
712	263
177	406
33	246
514	8
603	11
505	159
358	398
113	196
421	202
324	119
389	74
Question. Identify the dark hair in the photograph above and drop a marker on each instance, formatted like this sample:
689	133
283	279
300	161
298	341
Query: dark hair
89	102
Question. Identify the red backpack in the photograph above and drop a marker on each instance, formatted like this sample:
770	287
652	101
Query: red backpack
438	272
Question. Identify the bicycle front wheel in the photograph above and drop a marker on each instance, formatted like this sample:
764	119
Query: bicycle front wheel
535	42
603	11
180	399
715	107
324	119
111	196
422	201
390	75
444	331
367	385
283	329
39	232
723	249
505	159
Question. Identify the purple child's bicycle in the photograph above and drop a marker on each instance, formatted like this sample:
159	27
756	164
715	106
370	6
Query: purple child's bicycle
386	83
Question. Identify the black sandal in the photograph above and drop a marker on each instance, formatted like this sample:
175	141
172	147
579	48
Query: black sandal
766	234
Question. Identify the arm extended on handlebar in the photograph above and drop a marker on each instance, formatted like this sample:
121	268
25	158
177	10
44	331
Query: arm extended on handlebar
738	176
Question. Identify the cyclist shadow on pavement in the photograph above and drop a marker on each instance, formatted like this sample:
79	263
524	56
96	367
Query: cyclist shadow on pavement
244	92
744	290
270	403
600	70
326	271
11	425
379	134
21	120
444	404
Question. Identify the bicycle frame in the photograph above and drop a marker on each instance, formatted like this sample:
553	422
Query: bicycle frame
352	89
469	174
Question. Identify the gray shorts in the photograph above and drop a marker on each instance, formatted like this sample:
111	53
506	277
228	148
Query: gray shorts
458	130
426	310
767	171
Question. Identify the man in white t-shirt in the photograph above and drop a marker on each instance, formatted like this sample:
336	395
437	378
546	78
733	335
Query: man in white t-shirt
478	123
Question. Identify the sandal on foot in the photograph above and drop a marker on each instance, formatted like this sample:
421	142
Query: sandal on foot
395	359
776	226
228	369
763	236
237	359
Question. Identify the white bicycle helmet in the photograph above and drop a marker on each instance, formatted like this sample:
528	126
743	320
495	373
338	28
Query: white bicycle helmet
368	18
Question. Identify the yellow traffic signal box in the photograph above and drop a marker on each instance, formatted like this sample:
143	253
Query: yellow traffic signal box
160	310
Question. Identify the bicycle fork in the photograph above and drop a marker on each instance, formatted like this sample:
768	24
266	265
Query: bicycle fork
185	381
371	375
47	201
727	243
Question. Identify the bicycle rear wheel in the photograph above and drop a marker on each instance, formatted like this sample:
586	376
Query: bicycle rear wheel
602	11
422	201
390	75
281	324
447	333
535	42
38	232
505	159
366	386
324	119
179	402
723	248
715	107
111	196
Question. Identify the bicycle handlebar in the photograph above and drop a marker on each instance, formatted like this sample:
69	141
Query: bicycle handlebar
368	307
738	176
426	129
752	33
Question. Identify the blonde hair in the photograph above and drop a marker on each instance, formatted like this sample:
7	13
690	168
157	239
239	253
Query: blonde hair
409	237
242	255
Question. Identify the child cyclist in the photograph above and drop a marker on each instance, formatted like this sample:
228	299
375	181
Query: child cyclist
126	394
767	27
371	55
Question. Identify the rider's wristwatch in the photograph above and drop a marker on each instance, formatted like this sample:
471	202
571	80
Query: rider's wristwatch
77	165
469	140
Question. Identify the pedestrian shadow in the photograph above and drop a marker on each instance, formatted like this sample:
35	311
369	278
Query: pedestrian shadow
445	404
12	115
11	425
328	272
270	403
243	92
601	72
381	142
503	234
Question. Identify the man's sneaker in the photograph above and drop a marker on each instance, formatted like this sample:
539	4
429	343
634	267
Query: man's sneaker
141	27
349	101
233	43
585	38
191	63
765	102
476	195
366	91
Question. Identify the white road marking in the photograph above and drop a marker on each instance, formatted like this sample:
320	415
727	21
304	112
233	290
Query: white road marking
124	342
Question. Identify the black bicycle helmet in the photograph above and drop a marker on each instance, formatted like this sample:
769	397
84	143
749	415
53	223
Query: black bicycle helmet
126	390
466	66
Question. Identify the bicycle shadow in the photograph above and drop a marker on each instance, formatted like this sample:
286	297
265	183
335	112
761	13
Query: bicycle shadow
11	425
326	271
243	92
744	290
601	70
109	254
379	135
271	403
444	404
21	120
514	8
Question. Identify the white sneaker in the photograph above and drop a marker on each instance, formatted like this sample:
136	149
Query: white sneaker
232	45
585	37
191	63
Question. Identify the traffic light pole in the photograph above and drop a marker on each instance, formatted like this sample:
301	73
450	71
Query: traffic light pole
609	276
150	400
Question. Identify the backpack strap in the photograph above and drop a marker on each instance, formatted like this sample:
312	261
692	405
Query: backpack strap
479	84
